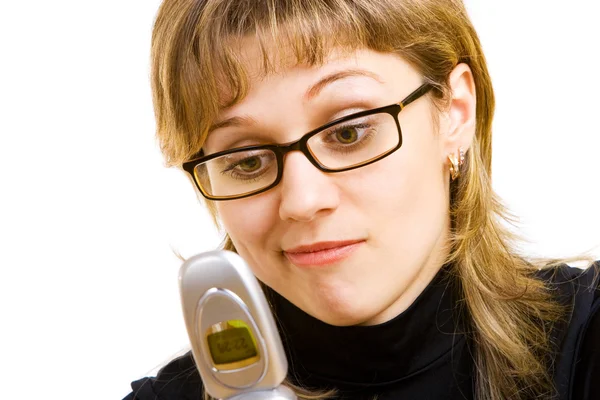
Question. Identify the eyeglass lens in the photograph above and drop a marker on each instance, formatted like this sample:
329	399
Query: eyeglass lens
341	146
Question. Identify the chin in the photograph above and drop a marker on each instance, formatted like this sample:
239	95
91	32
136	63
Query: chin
341	313
344	320
347	319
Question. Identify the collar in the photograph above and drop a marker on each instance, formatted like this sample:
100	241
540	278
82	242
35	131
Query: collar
418	339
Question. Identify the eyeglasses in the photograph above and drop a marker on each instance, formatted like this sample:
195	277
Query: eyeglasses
347	143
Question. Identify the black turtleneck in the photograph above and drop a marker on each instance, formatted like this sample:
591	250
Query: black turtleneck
423	353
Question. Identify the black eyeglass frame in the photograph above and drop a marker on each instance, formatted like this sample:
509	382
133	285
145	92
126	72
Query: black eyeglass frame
281	150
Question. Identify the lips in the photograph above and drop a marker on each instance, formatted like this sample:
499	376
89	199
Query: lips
322	253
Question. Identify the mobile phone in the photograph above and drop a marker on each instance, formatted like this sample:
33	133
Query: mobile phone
234	339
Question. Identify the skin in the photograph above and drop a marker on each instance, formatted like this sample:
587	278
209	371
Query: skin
397	206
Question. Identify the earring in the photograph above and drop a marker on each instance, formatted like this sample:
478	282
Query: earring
456	162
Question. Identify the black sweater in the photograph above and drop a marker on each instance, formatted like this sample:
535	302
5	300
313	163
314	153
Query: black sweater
423	353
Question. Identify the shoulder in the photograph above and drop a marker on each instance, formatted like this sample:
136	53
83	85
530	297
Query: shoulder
178	380
577	289
566	277
586	384
587	369
574	287
578	338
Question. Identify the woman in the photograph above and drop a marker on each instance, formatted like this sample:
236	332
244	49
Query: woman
373	227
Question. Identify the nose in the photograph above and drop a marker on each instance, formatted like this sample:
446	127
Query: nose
306	192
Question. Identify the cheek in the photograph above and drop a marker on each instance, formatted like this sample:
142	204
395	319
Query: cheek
252	226
407	195
420	174
406	190
247	221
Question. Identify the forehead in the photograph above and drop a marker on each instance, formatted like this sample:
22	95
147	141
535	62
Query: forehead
269	72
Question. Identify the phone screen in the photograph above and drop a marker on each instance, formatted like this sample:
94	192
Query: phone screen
232	346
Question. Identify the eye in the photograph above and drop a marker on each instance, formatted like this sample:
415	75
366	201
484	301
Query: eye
250	164
347	135
246	164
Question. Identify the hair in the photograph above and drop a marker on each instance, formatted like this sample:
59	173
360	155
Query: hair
197	70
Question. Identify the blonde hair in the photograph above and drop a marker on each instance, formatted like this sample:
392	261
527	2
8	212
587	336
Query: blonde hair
196	60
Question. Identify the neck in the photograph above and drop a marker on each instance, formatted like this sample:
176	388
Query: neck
431	266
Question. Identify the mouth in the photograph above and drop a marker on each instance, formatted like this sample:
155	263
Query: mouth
322	253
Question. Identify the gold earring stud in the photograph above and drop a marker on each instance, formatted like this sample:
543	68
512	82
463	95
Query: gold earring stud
456	161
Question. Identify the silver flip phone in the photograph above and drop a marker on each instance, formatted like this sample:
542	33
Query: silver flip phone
232	332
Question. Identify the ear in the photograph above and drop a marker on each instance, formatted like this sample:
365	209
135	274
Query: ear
458	130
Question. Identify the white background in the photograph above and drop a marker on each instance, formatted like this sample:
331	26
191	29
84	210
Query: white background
89	217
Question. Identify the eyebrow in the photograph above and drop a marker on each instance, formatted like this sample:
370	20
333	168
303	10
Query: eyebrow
312	92
243	120
315	89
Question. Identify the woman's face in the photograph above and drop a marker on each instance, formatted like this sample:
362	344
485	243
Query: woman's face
387	222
